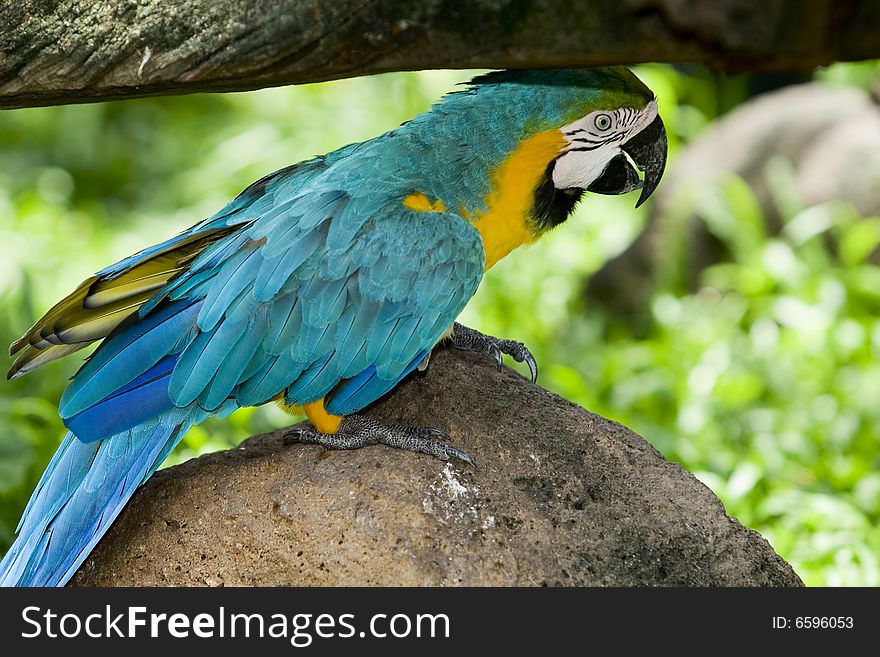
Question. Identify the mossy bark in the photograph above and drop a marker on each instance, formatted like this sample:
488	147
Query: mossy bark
68	51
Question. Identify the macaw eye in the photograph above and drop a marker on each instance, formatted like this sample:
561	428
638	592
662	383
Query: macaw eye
602	122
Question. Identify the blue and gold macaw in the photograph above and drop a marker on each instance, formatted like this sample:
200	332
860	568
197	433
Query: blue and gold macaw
321	286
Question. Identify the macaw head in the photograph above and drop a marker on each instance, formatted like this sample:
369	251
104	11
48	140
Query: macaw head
604	122
515	151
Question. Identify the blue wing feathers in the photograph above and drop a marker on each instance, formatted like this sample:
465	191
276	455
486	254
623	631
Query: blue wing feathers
258	359
348	388
200	361
243	306
279	314
275	273
232	367
388	358
310	385
185	370
378	336
134	349
324	300
344	227
288	332
273	378
354	394
235	275
138	401
319	291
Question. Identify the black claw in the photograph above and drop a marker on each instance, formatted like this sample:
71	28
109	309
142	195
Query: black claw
470	340
495	352
533	368
462	456
520	353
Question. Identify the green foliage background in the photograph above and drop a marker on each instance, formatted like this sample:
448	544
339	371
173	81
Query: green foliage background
764	383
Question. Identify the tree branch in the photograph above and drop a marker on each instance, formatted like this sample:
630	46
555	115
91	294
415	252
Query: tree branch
70	51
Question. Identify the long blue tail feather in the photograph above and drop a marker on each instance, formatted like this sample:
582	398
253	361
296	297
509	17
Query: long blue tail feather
81	493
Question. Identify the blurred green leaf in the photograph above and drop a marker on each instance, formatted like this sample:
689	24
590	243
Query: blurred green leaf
859	241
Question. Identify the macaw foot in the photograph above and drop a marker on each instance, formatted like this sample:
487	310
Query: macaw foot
470	340
358	431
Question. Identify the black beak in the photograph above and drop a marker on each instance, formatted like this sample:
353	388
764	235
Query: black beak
647	150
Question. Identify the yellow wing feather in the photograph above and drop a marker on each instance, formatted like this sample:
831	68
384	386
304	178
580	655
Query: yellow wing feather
99	305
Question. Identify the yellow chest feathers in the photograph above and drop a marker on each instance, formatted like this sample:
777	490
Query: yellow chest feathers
504	225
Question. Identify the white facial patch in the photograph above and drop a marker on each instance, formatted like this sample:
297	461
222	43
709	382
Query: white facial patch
594	141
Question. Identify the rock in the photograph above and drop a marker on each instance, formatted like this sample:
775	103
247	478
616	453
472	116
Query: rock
560	497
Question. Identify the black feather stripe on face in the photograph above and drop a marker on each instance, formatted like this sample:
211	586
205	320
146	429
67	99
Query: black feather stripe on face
552	206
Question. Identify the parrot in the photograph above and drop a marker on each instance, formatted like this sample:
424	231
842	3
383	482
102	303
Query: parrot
320	287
